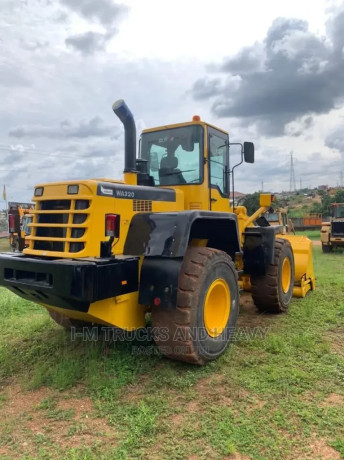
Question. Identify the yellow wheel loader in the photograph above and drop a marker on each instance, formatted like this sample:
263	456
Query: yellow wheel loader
332	233
164	241
279	216
19	218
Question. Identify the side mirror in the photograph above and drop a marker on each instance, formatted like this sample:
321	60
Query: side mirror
249	152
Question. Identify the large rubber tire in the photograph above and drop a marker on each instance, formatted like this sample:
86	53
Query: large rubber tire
268	292
68	323
326	248
181	333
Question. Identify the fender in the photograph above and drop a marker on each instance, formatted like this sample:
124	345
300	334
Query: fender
163	239
259	248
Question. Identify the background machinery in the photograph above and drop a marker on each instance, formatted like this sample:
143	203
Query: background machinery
19	218
332	233
164	241
279	217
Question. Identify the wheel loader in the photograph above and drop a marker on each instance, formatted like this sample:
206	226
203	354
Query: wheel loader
19	218
279	217
332	233
163	241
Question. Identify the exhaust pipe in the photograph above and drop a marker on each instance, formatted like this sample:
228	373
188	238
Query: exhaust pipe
124	114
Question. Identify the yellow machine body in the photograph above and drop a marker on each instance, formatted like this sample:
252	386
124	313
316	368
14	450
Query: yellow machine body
78	229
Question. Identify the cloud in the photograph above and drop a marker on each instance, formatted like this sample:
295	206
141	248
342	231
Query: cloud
292	73
335	140
88	42
105	12
95	127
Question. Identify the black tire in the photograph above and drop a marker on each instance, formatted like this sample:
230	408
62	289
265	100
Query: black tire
326	248
68	323
181	333
268	293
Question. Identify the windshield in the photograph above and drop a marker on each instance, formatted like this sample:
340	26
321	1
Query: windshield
272	217
174	155
338	211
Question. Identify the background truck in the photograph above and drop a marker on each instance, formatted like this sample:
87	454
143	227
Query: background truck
19	218
332	233
164	241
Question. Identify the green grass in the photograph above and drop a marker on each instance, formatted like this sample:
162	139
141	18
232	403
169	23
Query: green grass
267	398
4	245
312	234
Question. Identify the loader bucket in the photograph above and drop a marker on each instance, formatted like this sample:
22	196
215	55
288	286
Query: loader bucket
304	280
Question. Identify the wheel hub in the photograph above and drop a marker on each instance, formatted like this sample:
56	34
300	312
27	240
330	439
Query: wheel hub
217	306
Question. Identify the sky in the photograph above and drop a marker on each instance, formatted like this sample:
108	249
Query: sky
271	72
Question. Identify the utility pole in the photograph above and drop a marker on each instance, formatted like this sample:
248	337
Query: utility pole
300	183
262	185
341	179
292	186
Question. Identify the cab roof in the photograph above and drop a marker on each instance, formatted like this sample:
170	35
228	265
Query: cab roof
179	125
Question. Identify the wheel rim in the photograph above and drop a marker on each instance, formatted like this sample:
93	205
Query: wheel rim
286	275
217	307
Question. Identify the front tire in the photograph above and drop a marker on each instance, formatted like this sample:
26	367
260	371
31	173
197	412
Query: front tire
201	326
272	292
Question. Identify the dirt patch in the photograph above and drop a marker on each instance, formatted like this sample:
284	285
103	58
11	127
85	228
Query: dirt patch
19	402
322	451
316	243
257	404
31	419
334	400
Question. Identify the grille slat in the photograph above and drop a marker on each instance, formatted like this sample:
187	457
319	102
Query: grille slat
60	225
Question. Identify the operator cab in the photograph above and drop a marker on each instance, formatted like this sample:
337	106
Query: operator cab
190	154
174	155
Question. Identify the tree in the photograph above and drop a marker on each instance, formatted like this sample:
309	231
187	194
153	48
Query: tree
339	198
251	202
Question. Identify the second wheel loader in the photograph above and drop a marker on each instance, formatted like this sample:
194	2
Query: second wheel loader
164	240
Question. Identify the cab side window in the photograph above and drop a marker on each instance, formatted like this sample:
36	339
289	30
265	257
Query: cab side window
218	161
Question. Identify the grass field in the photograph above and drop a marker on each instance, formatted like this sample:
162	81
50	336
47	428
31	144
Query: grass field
312	234
278	395
4	244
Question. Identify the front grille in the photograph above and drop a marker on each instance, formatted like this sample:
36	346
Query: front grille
60	225
338	229
142	205
52	205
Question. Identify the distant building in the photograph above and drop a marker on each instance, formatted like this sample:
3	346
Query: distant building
238	198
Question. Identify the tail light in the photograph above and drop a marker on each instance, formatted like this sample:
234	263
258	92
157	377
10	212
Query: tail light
11	223
112	225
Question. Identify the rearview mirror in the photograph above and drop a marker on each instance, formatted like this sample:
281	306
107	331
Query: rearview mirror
249	152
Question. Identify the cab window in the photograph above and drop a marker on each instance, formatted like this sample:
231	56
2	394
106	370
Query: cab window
175	156
218	161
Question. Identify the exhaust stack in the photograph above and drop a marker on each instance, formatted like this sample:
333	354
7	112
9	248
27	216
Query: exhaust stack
124	114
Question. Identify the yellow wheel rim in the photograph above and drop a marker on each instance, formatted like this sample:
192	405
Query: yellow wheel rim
217	307
286	275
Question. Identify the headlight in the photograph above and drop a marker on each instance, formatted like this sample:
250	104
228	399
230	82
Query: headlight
39	191
73	189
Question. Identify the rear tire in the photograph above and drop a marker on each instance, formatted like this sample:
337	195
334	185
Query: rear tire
201	326
272	292
68	323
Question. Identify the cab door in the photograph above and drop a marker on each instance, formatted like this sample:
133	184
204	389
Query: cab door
218	161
